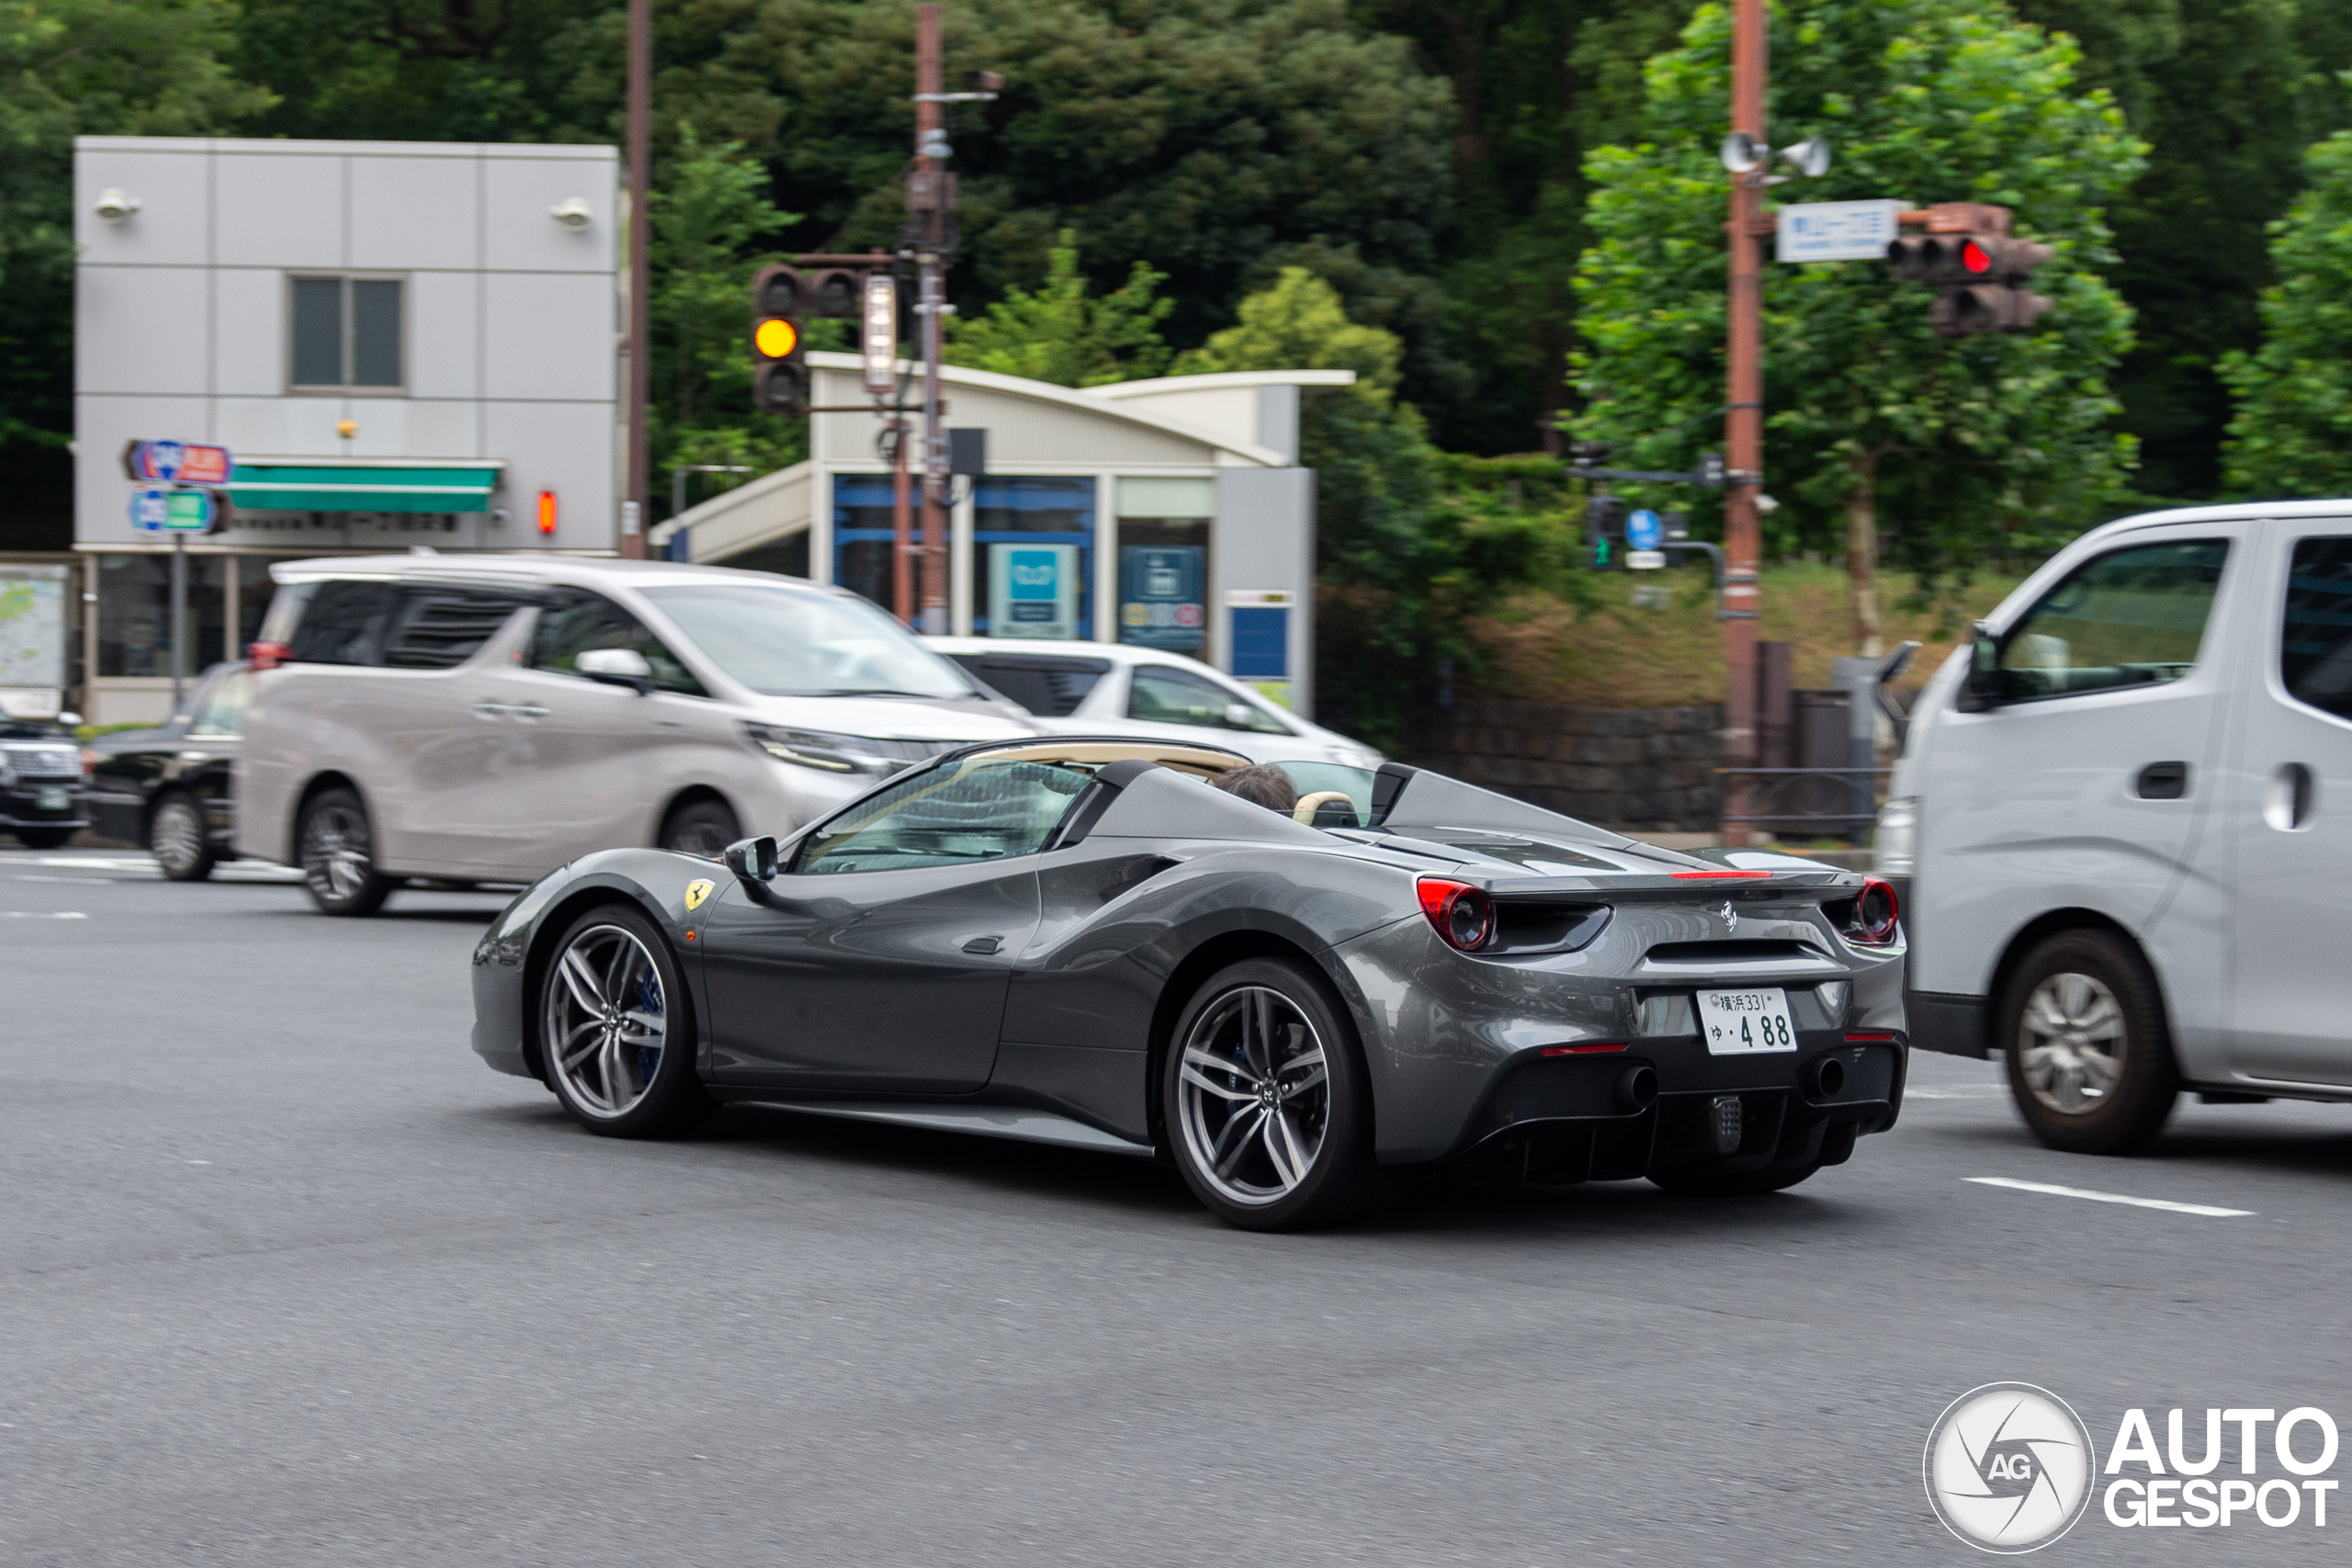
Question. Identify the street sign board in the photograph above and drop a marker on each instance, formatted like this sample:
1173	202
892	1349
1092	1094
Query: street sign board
1837	231
178	462
1643	530
155	509
1644	561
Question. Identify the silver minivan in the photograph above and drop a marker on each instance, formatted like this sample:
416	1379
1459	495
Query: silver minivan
486	718
2123	821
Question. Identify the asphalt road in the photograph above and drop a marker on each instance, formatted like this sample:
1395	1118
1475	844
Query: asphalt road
286	1276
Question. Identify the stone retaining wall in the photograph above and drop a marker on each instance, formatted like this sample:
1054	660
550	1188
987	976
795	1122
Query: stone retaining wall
1633	768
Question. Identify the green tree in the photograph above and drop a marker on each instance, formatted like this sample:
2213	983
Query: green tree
2292	433
1406	546
711	221
1060	335
1956	447
73	68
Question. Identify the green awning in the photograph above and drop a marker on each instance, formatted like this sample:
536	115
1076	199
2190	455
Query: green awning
363	487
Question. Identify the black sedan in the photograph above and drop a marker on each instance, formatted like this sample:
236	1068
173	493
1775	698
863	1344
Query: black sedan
40	784
1086	943
170	788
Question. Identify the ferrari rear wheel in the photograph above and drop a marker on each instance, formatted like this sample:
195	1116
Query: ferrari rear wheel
616	1030
1269	1108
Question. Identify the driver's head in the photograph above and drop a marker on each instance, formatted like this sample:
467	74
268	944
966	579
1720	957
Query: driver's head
1261	785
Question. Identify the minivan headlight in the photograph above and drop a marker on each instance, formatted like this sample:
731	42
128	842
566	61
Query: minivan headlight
820	749
1894	849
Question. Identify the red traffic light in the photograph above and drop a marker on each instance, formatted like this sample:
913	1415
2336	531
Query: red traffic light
1974	257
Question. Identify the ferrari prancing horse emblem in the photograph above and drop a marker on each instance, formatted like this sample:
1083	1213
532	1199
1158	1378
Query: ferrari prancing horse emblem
697	891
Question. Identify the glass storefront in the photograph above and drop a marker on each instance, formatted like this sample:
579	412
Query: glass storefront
1164	563
135	613
864	531
1033	557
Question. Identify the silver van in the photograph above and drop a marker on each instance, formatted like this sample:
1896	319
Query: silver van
488	717
2123	825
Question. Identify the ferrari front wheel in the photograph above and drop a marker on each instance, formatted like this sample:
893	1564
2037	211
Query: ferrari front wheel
617	1031
1269	1108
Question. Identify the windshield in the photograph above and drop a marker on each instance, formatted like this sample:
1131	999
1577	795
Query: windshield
782	642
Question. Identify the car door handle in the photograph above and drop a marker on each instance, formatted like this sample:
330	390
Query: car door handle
984	945
528	710
490	710
2162	781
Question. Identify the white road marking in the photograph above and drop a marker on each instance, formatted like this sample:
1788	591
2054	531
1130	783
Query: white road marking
2165	1204
42	915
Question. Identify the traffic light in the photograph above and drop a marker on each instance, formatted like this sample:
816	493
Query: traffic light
1981	270
1605	531
779	363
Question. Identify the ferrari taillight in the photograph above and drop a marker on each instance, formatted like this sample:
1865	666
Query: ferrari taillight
1876	915
1463	915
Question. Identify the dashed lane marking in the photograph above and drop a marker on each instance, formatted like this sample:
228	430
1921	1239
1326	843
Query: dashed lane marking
2166	1204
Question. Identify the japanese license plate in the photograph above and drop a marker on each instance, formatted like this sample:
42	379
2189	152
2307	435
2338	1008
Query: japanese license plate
56	797
1746	1023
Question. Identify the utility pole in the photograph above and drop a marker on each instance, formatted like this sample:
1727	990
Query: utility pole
1744	416
931	191
638	463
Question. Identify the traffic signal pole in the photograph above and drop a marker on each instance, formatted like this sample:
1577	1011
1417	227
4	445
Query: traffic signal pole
638	463
931	310
1744	417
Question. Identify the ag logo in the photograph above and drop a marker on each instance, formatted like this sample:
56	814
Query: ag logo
697	891
2009	1467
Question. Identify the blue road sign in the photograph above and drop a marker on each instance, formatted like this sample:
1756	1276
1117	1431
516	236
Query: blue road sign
150	508
1643	530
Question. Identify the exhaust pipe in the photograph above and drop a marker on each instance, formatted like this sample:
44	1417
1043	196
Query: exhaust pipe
1824	1078
1636	1089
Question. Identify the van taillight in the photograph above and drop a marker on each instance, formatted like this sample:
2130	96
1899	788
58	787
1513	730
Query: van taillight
267	655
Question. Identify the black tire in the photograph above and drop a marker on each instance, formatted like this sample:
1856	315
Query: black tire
337	848
613	1084
178	840
2082	1028
1714	1181
704	828
1222	1118
43	838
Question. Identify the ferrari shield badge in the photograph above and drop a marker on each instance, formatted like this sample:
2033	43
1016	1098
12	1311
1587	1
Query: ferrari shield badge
697	891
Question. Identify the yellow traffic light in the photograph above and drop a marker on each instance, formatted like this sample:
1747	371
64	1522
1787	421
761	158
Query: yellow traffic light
775	338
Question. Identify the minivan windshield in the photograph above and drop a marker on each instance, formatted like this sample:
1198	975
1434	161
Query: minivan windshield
782	642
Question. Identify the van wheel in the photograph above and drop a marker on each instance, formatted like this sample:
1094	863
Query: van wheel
702	827
338	855
178	839
2089	1056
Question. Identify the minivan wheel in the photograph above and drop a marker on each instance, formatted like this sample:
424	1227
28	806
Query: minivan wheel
1268	1105
2090	1062
702	827
176	837
338	855
617	1031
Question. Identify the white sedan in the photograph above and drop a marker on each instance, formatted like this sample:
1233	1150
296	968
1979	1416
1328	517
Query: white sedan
1096	688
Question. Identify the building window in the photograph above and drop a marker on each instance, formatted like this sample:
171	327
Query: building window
135	613
347	334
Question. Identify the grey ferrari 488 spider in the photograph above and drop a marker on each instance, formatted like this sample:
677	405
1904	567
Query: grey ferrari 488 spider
1083	942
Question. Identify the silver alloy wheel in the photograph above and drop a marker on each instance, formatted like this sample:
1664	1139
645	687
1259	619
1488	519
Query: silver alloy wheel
606	1020
336	859
176	835
1254	1095
2070	1043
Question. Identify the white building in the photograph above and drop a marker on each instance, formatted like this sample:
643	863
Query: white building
400	343
1178	504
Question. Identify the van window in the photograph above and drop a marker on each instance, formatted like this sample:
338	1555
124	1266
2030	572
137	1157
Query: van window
2315	639
576	620
2132	618
342	624
1165	694
440	628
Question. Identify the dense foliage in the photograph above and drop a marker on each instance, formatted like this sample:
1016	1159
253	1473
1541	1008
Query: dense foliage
1952	448
2293	433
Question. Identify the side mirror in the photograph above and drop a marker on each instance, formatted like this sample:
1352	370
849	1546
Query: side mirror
616	667
751	860
1239	716
1984	686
